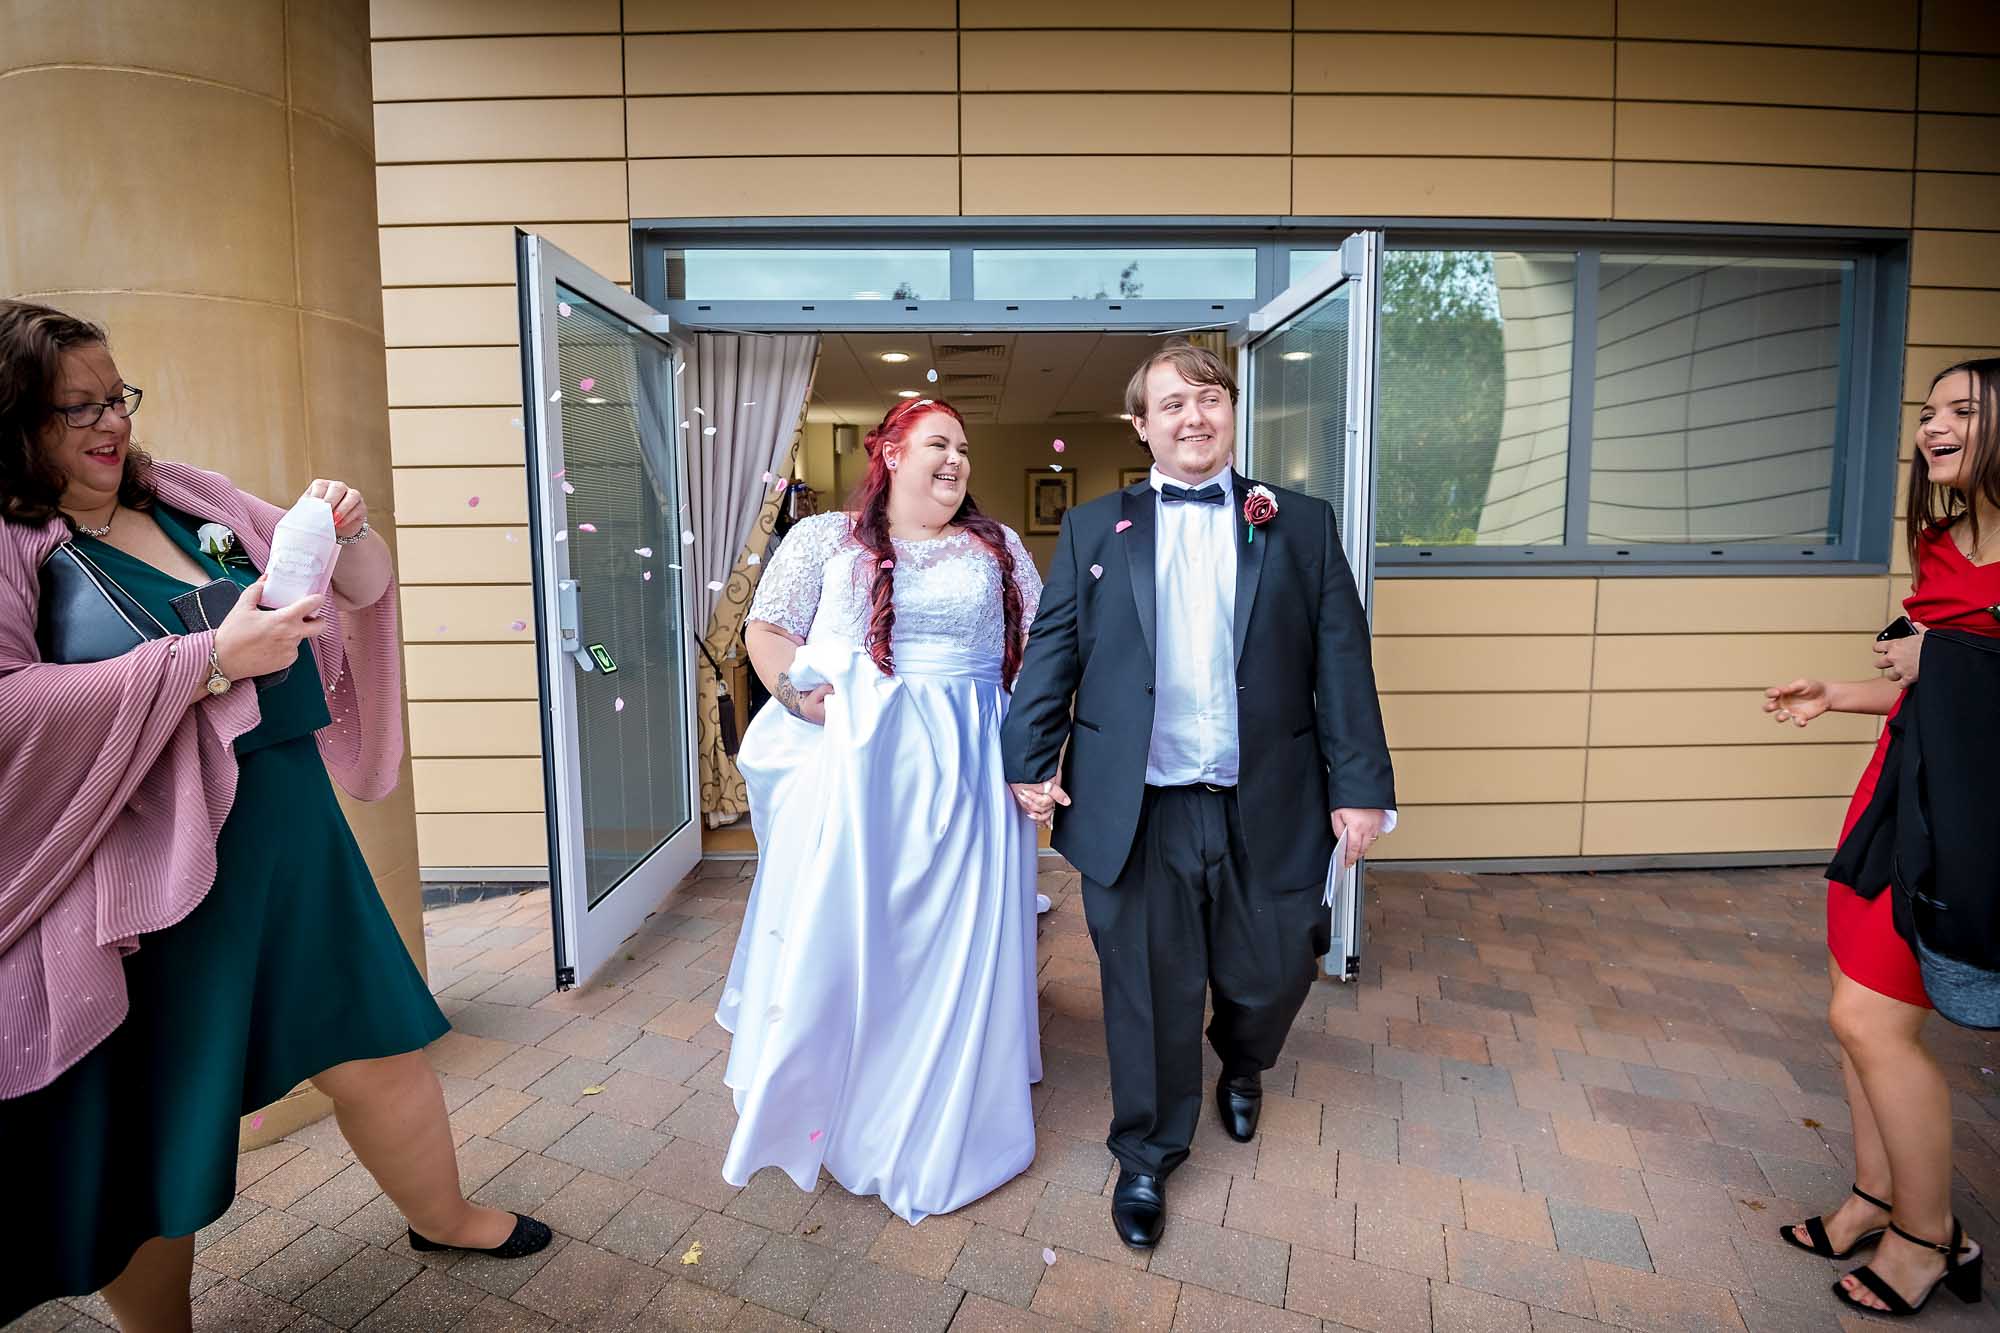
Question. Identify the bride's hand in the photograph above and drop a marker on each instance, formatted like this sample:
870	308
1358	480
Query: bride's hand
812	705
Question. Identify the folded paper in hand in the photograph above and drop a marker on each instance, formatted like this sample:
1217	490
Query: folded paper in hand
1339	874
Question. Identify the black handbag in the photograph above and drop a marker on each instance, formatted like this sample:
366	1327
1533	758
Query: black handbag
86	616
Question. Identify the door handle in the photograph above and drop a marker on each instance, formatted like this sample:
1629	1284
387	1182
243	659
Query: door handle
569	625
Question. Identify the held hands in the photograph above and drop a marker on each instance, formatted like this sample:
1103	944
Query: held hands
255	642
1362	827
1040	799
812	705
1798	702
1897	658
350	511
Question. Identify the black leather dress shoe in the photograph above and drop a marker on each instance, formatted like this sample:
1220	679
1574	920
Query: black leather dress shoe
1138	1209
1239	1098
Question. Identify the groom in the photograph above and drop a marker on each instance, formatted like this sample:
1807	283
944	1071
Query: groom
1225	731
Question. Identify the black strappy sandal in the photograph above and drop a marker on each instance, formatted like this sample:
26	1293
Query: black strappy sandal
1961	1280
1822	1244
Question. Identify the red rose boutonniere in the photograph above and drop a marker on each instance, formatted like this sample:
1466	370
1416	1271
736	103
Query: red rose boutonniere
1259	508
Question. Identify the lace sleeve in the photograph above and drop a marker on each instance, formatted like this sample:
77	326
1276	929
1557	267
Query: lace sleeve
788	593
1026	577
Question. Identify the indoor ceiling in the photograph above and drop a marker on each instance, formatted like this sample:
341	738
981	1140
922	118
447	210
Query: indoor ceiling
994	377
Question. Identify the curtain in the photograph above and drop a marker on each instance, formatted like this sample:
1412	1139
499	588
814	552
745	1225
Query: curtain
743	398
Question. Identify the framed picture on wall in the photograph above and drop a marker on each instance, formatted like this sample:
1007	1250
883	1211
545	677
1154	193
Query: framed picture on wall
1050	496
1132	476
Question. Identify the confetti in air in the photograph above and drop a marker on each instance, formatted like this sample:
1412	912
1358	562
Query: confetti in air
441	629
1123	524
1097	571
556	397
888	564
714	586
645	551
568	489
698	412
1059	446
586	527
647	576
687	539
931	375
1055	467
815	1136
708	430
586	384
751	403
684	425
753	559
767	479
560	472
518	626
562	536
617	705
472	502
562	309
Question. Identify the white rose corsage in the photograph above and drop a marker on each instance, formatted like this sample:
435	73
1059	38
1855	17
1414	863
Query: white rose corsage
218	542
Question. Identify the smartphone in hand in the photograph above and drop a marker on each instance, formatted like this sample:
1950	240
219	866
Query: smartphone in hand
1899	628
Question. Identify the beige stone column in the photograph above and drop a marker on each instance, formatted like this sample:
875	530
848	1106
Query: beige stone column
198	176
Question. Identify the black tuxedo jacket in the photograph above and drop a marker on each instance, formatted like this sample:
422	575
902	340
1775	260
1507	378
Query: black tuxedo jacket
1308	722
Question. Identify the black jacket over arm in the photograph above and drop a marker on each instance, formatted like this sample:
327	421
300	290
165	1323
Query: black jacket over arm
1308	723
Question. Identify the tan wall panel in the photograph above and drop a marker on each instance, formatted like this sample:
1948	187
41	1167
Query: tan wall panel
1540	662
1679	72
433	436
1126	122
462	555
454	377
1652	828
1734	772
1713	717
1954	259
475	728
239	46
423	71
465	614
836	124
1567	18
1479	721
443	495
1461	832
1483	777
463	18
1960	25
1697	192
1454	126
1943	316
1874	23
1958	143
1138	61
721	15
1965	84
785	186
1506	66
1959	200
498	131
484	840
423	256
1443	186
1920	363
1673	132
1485	606
451	316
501	192
1727	661
471	671
1140	14
791	62
1109	185
1804	605
451	786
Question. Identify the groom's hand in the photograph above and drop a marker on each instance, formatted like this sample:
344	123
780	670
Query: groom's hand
1039	799
1362	827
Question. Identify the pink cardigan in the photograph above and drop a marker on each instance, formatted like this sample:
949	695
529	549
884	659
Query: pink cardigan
115	781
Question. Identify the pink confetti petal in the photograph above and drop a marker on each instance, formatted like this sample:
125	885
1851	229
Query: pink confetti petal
562	309
441	629
586	384
617	705
647	576
888	564
1048	1256
559	474
1097	571
1059	446
257	1122
568	489
646	551
586	527
1123	524
518	626
815	1136
472	502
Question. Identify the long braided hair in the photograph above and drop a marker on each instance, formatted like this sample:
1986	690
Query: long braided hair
870	508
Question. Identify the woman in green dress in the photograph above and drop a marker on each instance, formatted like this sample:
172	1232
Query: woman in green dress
188	928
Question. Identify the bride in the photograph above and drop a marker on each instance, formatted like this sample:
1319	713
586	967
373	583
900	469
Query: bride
882	993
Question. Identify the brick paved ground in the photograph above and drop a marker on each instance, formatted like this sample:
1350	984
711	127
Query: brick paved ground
1555	1103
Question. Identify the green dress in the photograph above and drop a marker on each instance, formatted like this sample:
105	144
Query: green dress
289	966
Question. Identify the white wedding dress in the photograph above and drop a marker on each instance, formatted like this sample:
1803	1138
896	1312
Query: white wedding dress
882	992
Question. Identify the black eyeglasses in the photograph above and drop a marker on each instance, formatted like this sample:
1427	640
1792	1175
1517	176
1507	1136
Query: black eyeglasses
82	416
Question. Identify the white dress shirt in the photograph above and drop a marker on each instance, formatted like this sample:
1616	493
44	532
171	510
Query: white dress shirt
1194	595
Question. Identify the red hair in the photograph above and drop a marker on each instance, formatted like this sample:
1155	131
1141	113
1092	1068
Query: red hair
870	507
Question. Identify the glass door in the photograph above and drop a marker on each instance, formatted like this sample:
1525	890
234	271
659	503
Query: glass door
1307	362
607	481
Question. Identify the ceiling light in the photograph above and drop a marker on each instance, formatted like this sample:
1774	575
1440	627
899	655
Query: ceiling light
906	393
895	358
1297	356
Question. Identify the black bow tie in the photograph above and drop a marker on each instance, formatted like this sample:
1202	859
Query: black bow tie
1211	494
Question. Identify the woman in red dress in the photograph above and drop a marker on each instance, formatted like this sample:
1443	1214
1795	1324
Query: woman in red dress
1900	1103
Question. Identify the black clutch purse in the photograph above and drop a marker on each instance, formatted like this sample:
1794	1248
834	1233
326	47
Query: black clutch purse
87	617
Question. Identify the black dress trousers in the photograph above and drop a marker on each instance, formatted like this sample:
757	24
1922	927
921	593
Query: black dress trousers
1183	917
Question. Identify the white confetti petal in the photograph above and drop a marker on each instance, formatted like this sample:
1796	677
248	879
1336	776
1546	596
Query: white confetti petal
753	559
646	551
931	375
562	536
708	430
698	412
687	539
713	586
562	309
556	397
617	705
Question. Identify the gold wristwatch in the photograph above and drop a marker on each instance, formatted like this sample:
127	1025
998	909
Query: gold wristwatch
217	682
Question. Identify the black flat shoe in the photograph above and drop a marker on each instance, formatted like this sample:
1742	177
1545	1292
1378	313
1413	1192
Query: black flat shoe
1961	1279
1138	1209
528	1237
1238	1100
1822	1244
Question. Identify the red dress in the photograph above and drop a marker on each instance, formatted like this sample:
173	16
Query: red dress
1861	932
